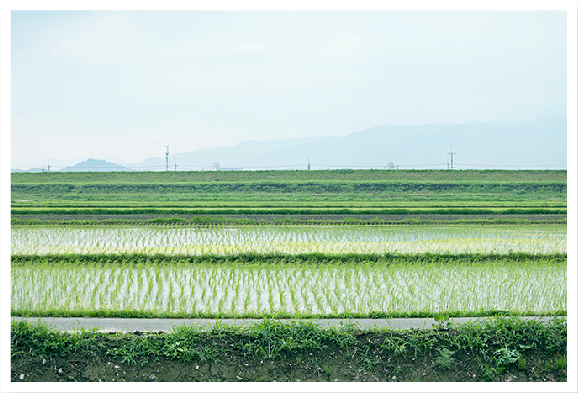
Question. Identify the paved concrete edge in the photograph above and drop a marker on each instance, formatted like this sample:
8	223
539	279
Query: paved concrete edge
166	325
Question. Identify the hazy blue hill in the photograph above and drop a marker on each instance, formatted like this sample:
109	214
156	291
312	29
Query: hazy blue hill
55	164
28	170
92	165
535	144
240	155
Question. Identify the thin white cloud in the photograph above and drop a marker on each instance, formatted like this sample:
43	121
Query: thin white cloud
252	47
342	47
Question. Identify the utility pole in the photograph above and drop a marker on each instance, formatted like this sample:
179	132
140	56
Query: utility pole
308	165
451	153
167	158
175	164
48	165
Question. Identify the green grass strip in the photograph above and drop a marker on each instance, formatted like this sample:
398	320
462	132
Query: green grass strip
405	175
279	315
305	258
270	339
280	221
292	211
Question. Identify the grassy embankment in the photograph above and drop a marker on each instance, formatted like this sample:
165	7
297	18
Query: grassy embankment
492	196
500	349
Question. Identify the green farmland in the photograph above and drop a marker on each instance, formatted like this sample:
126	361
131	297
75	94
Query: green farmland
283	286
355	270
180	207
223	239
293	189
256	196
294	245
340	175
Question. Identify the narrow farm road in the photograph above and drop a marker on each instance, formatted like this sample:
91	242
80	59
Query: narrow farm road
157	325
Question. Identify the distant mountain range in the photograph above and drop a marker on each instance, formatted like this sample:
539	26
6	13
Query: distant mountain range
535	144
539	143
90	165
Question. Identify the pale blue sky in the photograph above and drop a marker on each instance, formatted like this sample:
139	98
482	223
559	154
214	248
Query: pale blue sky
106	85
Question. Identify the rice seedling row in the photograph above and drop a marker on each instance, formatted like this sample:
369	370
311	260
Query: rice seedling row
306	290
221	239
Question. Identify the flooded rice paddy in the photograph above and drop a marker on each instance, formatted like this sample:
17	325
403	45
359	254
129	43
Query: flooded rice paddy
299	290
257	289
538	239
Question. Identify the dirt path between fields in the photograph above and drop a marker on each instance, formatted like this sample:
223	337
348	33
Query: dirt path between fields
164	325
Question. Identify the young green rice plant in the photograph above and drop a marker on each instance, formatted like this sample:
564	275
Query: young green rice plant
270	239
385	289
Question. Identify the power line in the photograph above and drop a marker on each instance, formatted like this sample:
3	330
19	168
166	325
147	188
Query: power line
295	166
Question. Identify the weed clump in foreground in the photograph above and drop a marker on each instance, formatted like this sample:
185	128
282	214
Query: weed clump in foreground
498	349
